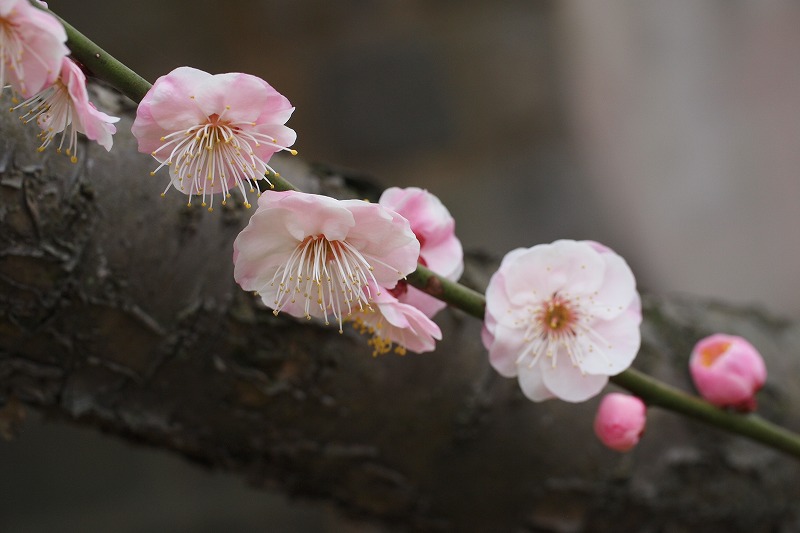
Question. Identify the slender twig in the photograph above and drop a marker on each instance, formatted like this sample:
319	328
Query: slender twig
104	66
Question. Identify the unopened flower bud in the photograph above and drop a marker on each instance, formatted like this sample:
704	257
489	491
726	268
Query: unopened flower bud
620	421
727	371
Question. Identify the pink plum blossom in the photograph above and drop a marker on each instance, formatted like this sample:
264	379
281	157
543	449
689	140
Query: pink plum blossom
562	317
727	371
66	103
214	132
620	421
31	47
440	249
393	323
310	255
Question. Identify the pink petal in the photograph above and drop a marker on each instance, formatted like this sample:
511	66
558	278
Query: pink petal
431	221
311	214
240	96
386	239
93	123
171	101
567	267
422	301
44	37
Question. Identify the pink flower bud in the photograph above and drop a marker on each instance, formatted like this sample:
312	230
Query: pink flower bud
620	421
727	371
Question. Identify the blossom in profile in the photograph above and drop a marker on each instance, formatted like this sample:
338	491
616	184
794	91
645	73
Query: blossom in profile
620	421
395	326
562	317
65	104
310	255
440	249
728	371
32	46
214	132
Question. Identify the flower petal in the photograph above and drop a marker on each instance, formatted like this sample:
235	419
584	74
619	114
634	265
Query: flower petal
567	267
532	385
171	99
568	383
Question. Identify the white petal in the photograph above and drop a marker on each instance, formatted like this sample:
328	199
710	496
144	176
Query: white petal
569	267
506	348
568	383
614	344
530	381
618	289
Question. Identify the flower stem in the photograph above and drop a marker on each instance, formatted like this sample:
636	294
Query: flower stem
104	66
453	293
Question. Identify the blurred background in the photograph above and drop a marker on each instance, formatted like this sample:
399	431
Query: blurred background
666	130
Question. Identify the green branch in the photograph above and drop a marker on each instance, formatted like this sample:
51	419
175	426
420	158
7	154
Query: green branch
104	66
448	291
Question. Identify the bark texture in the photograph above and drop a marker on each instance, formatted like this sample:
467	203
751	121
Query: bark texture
118	310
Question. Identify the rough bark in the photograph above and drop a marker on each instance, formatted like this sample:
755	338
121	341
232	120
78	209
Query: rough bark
118	310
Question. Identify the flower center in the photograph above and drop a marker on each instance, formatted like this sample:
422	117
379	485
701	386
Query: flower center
216	156
331	275
560	325
557	317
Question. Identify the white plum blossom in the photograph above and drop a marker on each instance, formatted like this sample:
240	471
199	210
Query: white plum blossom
562	317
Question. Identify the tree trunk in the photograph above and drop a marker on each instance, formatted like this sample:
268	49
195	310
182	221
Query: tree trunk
118	310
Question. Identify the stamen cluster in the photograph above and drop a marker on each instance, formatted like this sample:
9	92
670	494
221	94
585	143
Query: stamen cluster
313	256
